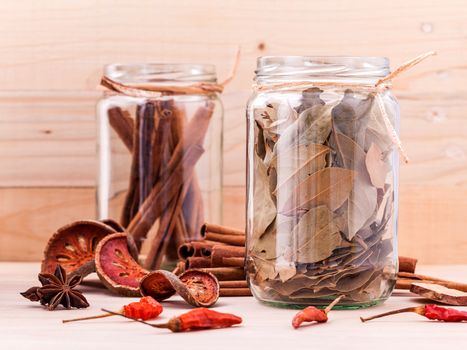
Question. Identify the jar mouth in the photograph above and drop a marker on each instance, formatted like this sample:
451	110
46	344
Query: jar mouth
160	73
321	67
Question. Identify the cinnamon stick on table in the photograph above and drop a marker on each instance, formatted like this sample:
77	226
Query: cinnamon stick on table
233	284
194	248
219	252
407	264
234	292
237	240
195	262
227	273
224	230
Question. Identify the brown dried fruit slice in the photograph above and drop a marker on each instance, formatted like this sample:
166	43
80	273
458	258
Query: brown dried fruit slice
73	247
197	288
116	265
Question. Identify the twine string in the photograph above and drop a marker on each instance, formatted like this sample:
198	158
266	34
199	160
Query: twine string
156	90
378	89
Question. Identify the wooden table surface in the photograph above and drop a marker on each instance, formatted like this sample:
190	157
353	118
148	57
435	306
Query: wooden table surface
25	325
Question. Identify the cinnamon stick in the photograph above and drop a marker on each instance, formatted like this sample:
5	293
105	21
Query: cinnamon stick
146	132
150	210
233	284
237	240
193	210
194	248
123	125
167	225
227	273
132	192
406	283
195	262
233	261
224	230
219	252
181	164
407	264
234	292
405	279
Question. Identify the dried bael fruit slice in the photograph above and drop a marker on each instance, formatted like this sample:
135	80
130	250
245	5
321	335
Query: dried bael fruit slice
116	265
197	288
73	247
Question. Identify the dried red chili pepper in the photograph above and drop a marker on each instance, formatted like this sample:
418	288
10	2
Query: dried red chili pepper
311	313
430	311
146	308
197	319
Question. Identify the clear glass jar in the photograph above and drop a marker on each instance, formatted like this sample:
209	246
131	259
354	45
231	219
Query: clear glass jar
160	158
322	179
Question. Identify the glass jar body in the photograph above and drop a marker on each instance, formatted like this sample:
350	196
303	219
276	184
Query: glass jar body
160	169
322	179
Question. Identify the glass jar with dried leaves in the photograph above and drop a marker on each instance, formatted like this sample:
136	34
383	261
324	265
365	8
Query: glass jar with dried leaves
160	154
321	182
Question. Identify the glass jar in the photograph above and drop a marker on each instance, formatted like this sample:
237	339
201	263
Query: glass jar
160	157
322	178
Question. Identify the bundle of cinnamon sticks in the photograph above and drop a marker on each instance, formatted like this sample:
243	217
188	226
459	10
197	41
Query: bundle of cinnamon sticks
221	252
163	193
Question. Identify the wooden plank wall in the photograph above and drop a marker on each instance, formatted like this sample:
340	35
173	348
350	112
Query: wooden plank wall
52	53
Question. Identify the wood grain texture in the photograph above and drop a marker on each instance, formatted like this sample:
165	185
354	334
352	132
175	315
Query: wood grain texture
52	58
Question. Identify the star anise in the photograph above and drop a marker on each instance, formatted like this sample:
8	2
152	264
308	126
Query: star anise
57	289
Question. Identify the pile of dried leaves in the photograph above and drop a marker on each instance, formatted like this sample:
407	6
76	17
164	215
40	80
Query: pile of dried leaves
323	197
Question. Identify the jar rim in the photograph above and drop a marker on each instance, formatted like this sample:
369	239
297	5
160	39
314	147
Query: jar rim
306	67
161	73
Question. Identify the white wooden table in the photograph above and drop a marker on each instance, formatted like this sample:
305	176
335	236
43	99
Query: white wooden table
27	325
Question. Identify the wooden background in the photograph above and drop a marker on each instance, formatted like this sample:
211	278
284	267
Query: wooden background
52	53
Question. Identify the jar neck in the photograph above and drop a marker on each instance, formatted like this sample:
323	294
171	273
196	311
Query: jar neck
161	73
365	70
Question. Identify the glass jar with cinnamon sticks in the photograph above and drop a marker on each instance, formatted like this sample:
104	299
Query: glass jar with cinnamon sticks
322	181
160	154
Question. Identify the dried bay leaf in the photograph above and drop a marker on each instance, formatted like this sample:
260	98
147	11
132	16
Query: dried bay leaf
264	269
299	162
315	236
376	129
312	126
328	186
310	98
354	281
349	117
264	207
377	168
362	201
260	145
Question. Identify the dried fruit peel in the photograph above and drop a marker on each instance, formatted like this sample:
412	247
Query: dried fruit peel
73	247
198	288
116	266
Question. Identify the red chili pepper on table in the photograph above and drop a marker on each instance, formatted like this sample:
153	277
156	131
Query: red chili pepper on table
311	313
146	308
430	311
196	319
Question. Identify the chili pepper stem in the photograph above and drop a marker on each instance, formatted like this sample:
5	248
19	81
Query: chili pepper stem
330	306
418	309
87	318
113	313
